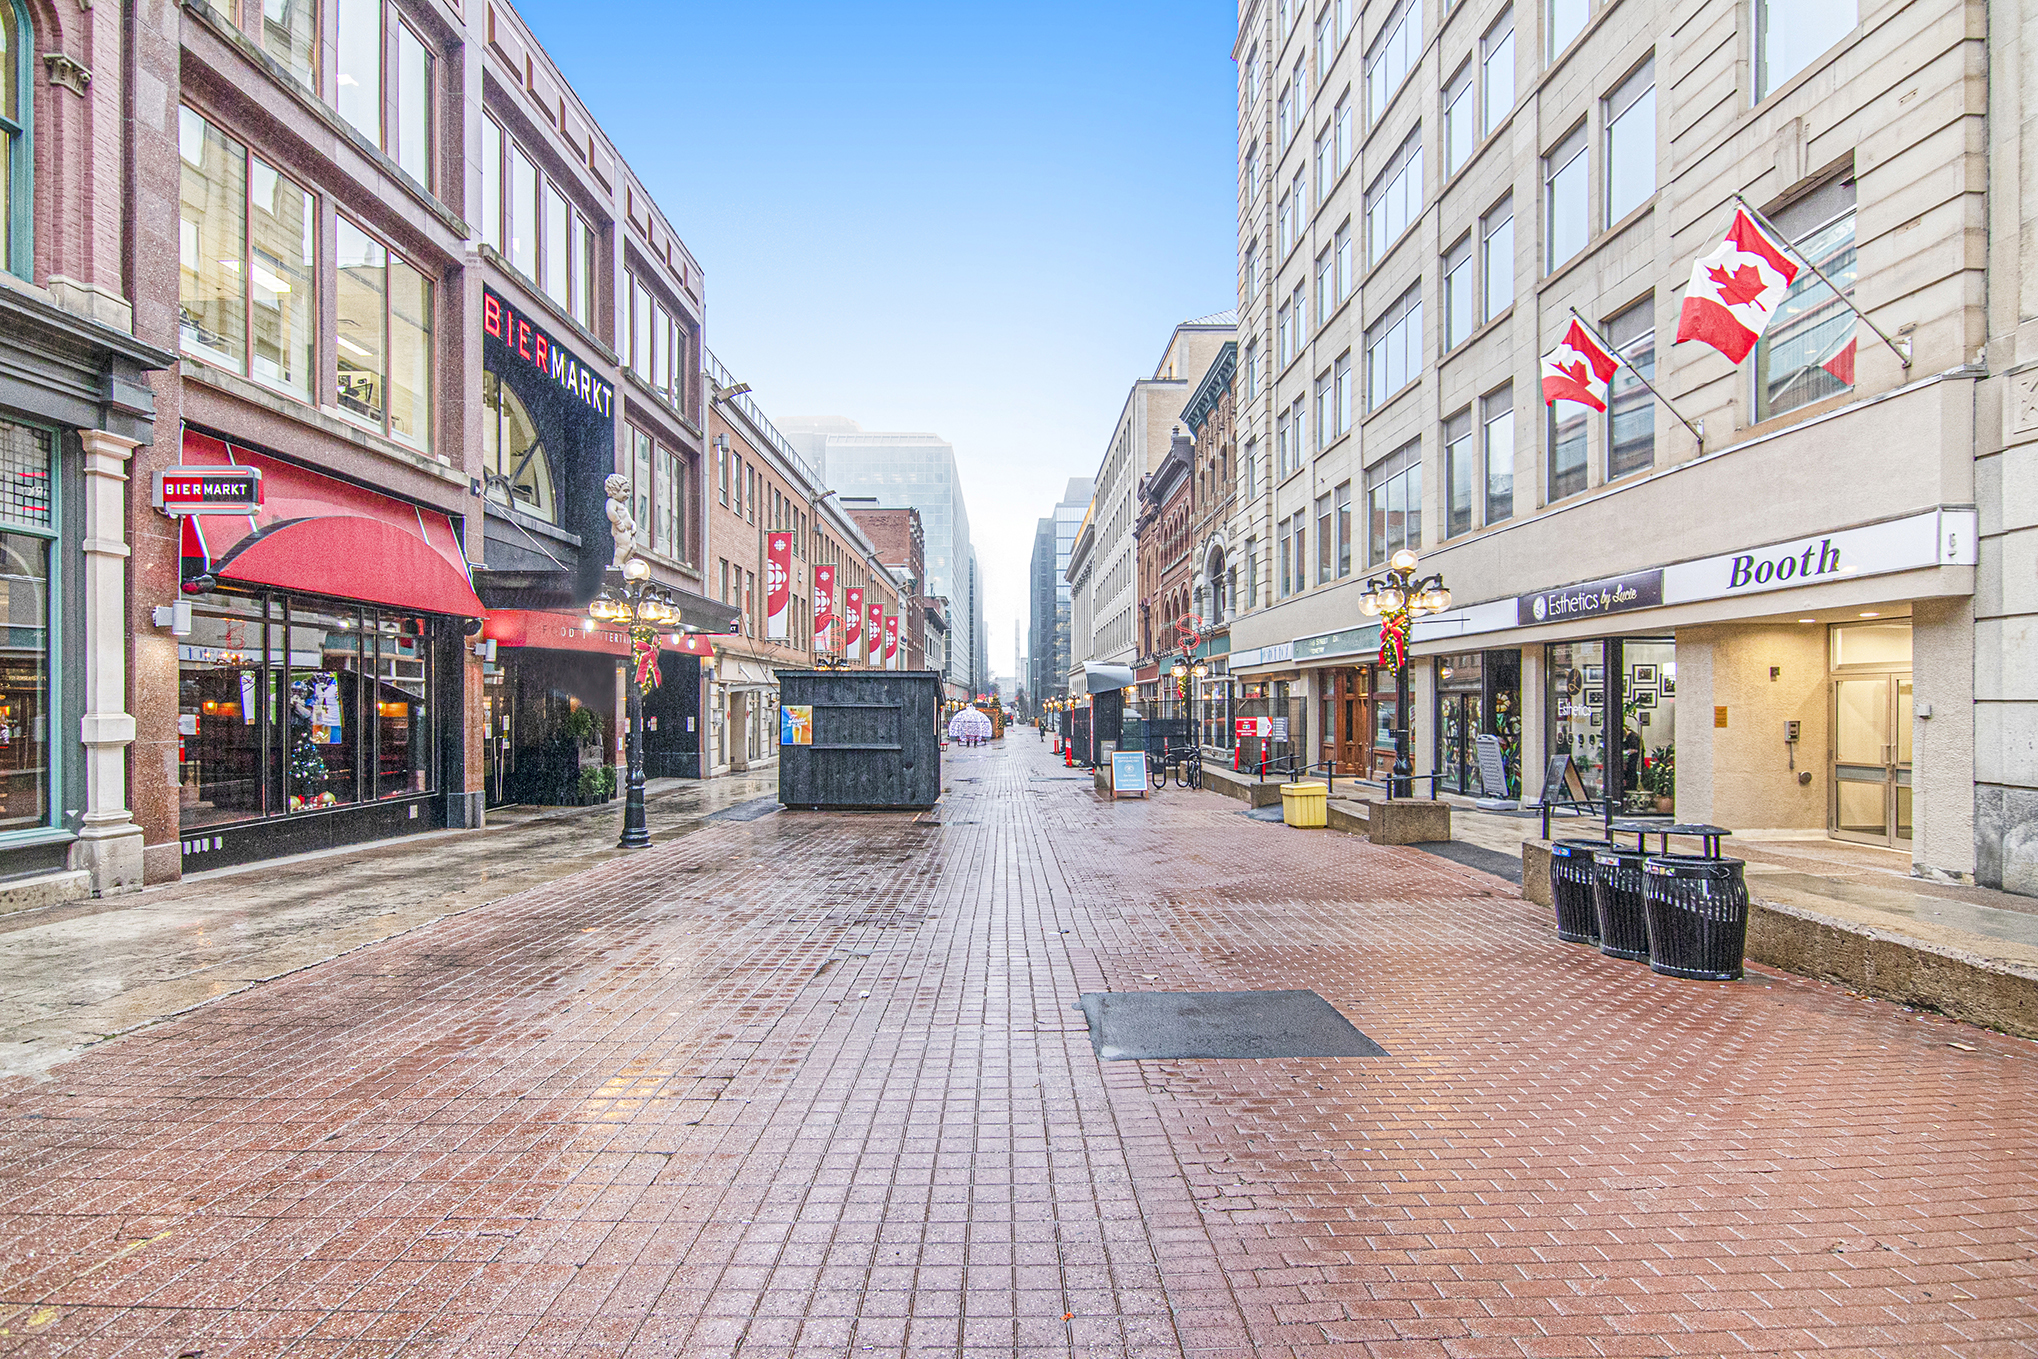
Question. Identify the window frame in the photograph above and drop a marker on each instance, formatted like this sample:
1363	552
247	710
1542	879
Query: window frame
1463	86
1496	53
1637	86
1460	456
1557	163
1496	409
1455	260
1500	215
1400	178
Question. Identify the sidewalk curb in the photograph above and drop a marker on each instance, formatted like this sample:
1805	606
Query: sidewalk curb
1966	985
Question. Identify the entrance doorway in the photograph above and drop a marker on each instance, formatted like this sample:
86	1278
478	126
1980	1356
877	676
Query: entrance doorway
1459	720
1347	721
1871	759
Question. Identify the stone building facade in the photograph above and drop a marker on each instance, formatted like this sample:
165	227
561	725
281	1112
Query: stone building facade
1427	198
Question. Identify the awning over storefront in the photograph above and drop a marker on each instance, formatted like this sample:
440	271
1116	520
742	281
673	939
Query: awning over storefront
1103	678
324	536
738	672
553	632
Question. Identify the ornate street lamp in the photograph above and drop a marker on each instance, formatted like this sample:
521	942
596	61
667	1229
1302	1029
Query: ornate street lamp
643	607
1397	600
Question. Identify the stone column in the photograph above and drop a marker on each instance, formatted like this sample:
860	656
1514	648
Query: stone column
109	845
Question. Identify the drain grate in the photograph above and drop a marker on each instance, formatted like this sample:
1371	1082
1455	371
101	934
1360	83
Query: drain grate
1127	1025
746	811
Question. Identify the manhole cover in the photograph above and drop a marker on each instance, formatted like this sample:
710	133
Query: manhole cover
1126	1025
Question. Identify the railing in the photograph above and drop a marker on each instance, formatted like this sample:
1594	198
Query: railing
721	377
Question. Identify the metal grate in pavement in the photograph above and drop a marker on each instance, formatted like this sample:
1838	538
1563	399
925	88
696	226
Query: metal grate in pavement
1126	1025
747	811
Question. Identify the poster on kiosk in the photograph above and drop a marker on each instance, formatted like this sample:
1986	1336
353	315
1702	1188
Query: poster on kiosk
852	622
824	609
778	586
874	633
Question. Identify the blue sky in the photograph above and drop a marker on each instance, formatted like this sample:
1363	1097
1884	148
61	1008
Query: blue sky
974	219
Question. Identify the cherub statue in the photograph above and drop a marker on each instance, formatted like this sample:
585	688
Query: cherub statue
622	521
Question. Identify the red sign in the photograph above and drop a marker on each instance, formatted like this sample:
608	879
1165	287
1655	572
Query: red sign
875	631
554	632
530	343
208	490
852	620
824	608
891	639
778	586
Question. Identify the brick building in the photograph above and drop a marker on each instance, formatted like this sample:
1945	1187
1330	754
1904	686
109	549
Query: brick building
761	485
902	546
1166	506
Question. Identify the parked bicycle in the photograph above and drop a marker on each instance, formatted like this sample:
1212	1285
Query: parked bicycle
1185	762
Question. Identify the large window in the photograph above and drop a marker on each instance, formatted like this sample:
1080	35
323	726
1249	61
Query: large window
1496	260
1394	348
1790	33
1461	116
17	155
1393	56
1807	354
1631	143
27	526
247	272
1496	63
383	347
366	34
290	37
1567	428
1460	471
1496	418
1394	202
289	706
528	219
1343	495
1631	414
1394	503
658	348
1460	295
1326	542
1564	195
1566	21
513	460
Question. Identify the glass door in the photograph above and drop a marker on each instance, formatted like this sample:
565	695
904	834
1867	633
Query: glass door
1872	759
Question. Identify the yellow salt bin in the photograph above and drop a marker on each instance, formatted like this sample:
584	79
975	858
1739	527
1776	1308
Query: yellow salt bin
1306	804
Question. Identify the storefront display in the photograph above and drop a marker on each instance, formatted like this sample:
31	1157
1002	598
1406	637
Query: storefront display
1632	713
1478	694
24	679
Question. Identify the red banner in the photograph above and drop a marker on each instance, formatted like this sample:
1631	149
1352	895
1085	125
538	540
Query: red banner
824	608
852	620
778	586
891	641
875	632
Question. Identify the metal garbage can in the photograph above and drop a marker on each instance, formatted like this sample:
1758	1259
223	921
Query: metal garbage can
1697	909
1571	889
1306	804
1617	897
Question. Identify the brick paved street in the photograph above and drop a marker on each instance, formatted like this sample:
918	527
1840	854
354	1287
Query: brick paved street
812	1085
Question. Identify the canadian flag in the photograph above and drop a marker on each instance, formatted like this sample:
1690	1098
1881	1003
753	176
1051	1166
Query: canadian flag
1577	370
1734	290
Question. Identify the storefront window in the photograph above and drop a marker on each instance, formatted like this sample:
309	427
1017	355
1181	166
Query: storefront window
24	680
287	706
27	514
1649	728
1577	708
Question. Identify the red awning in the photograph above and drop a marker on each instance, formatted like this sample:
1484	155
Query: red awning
325	536
553	632
575	632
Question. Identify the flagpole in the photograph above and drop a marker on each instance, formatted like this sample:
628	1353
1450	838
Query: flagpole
1697	431
1902	349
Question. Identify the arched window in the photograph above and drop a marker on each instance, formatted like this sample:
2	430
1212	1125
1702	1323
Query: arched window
519	471
17	157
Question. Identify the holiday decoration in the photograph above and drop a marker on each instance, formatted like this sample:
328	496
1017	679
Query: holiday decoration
1394	636
644	652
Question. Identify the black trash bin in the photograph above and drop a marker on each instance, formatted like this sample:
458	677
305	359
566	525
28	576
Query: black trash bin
1571	890
1697	911
1617	897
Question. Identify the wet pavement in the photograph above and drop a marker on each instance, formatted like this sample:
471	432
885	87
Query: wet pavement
75	975
811	1084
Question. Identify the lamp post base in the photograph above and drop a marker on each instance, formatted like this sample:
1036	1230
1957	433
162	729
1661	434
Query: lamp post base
635	835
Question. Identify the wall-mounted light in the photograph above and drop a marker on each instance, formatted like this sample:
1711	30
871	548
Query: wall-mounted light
176	617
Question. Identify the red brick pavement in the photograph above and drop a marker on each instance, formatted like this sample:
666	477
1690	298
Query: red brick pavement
811	1085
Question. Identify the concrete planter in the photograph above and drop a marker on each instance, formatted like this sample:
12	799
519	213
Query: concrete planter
1407	822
